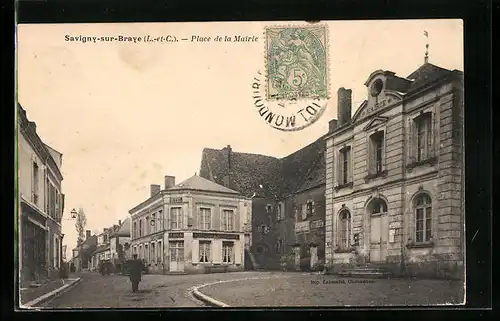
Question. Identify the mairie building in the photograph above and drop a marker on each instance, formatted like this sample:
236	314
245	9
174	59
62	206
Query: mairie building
395	175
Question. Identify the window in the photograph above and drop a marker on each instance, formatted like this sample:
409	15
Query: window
269	208
376	161
205	218
227	252
134	230
280	246
280	215
344	166
148	226
141	254
344	229
227	220
204	251
36	178
159	252
153	223
310	208
140	227
423	213
424	136
159	221
153	252
176	218
146	252
379	206
134	251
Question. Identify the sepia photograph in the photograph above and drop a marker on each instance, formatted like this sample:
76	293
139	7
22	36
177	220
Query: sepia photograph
245	164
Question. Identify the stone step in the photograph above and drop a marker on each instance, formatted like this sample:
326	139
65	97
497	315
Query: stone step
359	274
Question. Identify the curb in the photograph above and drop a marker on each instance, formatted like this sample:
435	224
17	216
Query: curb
208	300
213	302
51	295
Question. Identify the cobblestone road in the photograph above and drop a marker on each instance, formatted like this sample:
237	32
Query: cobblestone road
114	291
258	289
323	290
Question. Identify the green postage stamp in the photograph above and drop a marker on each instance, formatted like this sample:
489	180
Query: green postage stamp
296	62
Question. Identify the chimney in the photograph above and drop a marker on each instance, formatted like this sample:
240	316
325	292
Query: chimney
344	106
87	234
169	181
119	222
155	189
332	125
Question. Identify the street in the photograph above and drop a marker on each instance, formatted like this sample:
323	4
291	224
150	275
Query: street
247	289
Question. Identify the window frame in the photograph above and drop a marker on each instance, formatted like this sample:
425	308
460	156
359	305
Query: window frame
179	218
201	218
344	229
228	252
224	219
426	214
204	247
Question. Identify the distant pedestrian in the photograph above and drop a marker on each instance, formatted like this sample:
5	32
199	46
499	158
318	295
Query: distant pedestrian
135	271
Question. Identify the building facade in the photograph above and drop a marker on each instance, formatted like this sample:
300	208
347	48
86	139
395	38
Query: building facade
82	254
196	226
394	175
288	200
41	204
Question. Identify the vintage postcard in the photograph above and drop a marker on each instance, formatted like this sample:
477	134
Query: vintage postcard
240	164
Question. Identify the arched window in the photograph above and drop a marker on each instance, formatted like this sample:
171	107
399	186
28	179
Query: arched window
344	229
423	217
379	206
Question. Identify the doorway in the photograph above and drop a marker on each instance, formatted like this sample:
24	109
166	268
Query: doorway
176	256
379	230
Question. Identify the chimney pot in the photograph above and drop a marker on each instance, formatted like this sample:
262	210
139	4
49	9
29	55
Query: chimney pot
155	189
119	222
332	125
344	105
87	234
169	181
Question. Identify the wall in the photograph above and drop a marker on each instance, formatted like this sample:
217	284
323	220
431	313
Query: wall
264	240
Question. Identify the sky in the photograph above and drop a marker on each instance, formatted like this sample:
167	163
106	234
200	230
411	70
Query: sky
124	115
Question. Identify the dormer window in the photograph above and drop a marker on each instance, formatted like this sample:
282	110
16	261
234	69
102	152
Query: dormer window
376	88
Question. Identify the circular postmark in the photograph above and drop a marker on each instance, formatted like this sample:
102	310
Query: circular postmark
287	114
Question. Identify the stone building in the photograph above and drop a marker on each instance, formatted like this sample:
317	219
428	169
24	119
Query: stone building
287	201
196	226
41	203
394	175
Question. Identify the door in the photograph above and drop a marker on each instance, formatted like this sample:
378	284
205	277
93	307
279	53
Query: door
314	256
378	238
176	256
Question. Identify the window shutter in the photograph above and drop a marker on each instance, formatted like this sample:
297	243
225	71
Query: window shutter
237	252
384	151
339	169
434	131
410	139
236	225
217	251
304	211
349	165
195	251
371	156
168	214
312	207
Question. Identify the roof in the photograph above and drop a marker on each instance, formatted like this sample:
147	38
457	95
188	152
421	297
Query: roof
425	74
101	248
201	184
248	171
124	229
278	177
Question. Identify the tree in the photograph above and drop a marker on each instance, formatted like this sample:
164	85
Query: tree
81	223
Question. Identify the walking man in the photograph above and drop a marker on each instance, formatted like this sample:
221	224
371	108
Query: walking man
135	272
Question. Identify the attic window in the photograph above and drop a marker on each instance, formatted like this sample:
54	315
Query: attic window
376	87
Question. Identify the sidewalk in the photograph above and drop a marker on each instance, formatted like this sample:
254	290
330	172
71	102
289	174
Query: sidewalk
38	292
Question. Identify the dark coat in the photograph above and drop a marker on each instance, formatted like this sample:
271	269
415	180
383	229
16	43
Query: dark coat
135	268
